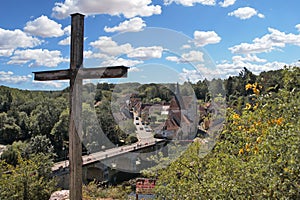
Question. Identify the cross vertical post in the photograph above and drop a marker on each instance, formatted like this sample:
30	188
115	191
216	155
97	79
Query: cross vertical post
75	128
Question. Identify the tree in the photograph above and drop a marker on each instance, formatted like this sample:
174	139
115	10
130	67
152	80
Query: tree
9	130
60	134
5	99
40	144
201	89
103	86
45	115
29	180
107	121
10	155
98	95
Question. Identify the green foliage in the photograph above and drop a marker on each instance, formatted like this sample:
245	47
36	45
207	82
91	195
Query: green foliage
92	191
5	99
107	121
37	145
201	89
10	155
98	95
29	180
9	130
40	145
60	134
45	115
103	86
131	139
256	156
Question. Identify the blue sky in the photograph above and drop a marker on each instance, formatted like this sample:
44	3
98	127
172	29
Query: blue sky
194	38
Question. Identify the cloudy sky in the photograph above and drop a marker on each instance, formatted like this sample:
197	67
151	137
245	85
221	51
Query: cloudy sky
194	39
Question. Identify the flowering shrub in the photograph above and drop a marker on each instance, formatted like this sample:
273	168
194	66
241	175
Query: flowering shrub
257	155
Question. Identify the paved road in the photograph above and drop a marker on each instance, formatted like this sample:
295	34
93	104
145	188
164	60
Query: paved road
142	134
101	155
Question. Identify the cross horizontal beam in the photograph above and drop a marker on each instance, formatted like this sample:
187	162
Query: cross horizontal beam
83	73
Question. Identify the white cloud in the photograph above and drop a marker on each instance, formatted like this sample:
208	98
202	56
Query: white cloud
107	46
245	13
145	53
227	3
249	58
107	49
298	27
11	40
133	25
90	55
275	39
202	38
260	15
37	57
121	61
233	68
49	84
128	8
67	30
191	2
173	58
186	46
208	73
44	27
190	75
193	56
9	77
66	41
6	52
87	54
134	69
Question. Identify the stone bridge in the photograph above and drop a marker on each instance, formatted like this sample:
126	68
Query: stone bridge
104	166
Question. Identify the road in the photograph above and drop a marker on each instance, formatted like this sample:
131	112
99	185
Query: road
108	153
142	134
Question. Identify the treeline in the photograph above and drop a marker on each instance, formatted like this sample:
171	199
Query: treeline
27	114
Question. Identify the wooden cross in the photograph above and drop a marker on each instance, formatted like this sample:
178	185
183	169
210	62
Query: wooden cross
76	74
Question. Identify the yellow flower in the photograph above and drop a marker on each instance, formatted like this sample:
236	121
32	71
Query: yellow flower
241	151
248	86
255	149
256	91
258	140
236	116
248	106
257	124
279	121
247	147
240	128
